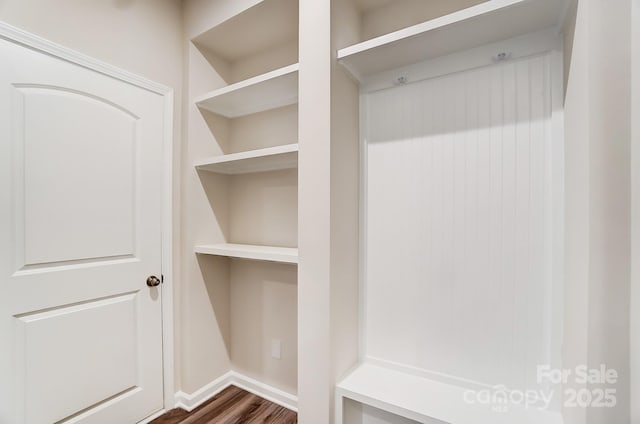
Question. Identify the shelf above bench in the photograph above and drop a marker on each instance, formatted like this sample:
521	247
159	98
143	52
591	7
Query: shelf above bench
268	159
426	401
287	255
488	22
264	92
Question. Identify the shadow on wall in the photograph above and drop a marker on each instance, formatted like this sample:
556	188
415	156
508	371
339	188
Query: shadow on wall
264	308
215	274
569	35
215	187
495	97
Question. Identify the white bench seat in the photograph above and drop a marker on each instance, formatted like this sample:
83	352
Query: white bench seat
426	401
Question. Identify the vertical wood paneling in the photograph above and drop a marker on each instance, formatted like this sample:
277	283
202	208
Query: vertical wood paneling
458	223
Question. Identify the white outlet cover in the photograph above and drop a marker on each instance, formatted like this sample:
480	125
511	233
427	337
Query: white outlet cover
276	349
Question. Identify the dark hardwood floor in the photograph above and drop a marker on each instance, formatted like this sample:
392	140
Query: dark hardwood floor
231	406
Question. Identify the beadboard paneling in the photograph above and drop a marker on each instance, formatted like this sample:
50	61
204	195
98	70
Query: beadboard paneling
458	223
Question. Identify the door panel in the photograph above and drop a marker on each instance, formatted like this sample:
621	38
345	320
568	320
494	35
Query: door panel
98	188
80	195
99	330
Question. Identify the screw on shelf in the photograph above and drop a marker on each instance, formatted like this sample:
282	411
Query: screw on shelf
502	56
400	81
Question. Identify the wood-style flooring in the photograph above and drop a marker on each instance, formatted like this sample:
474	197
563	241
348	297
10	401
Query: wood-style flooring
231	406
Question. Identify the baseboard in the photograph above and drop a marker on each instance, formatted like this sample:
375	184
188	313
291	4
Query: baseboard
265	391
191	401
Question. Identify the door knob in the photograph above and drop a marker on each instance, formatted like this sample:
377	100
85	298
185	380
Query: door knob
153	281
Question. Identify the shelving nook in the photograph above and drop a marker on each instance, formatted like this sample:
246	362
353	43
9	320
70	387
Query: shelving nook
243	130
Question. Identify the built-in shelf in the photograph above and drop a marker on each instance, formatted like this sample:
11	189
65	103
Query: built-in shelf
246	251
268	159
267	25
430	401
264	92
484	23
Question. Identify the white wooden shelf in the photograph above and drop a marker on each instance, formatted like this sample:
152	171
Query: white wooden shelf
245	251
487	22
268	159
267	91
427	401
267	25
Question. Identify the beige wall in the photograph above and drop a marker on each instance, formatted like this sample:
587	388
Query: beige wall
141	36
394	16
598	125
635	217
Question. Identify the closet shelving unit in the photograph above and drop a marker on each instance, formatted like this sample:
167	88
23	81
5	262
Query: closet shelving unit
255	52
413	395
485	23
272	23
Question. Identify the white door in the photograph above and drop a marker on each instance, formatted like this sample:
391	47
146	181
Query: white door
80	232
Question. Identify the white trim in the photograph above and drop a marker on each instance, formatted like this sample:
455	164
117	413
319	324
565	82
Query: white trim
362	284
272	394
168	342
191	401
635	212
558	204
34	42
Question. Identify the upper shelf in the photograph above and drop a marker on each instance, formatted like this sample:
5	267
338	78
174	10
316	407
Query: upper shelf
260	28
267	91
269	159
488	22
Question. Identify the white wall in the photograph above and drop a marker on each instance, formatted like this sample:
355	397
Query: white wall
609	143
576	201
140	36
314	235
598	126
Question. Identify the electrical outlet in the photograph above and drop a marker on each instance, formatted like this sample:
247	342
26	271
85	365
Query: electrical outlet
276	348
